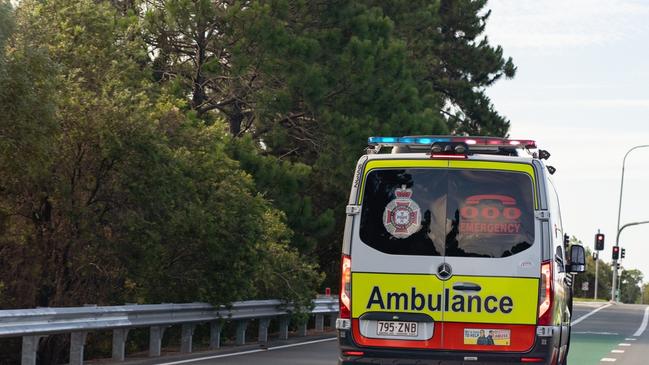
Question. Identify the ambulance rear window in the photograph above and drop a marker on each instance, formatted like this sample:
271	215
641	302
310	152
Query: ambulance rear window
451	212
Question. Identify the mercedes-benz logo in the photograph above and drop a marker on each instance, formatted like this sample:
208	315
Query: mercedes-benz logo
444	271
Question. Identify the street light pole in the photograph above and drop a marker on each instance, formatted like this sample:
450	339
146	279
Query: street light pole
617	239
619	211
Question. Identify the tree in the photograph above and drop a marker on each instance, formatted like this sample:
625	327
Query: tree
604	277
134	179
453	60
310	81
631	281
123	196
26	131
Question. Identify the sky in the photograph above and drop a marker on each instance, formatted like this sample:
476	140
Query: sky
582	92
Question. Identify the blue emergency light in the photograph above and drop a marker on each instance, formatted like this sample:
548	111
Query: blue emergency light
405	140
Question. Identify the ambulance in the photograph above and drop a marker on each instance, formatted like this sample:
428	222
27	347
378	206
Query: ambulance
454	253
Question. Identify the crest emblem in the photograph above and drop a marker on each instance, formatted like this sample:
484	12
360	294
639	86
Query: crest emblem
402	216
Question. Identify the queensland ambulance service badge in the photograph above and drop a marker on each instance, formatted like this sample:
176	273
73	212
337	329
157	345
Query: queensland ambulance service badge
402	216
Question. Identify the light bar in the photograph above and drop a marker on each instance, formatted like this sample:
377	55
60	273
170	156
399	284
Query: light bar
471	141
393	141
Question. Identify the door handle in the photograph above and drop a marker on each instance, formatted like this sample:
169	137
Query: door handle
467	287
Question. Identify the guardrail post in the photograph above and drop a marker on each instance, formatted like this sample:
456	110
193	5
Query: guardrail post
241	332
264	323
119	344
215	334
77	343
319	322
332	320
187	334
30	350
155	340
284	321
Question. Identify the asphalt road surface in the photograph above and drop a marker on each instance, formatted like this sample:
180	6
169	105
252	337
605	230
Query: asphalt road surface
614	334
601	334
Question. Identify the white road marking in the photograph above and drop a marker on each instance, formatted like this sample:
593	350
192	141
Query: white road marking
617	351
624	344
629	339
580	319
247	352
596	333
643	326
608	359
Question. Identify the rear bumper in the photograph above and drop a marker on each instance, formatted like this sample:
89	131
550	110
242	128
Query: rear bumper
544	348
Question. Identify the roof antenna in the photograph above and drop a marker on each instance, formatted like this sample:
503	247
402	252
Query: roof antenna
552	169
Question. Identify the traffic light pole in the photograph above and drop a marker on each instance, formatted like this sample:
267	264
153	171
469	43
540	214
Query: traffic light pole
617	242
596	273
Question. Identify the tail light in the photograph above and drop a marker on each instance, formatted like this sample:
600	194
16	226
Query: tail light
346	287
545	295
353	353
532	359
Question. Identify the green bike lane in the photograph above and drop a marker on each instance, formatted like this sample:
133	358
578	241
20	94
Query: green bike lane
603	333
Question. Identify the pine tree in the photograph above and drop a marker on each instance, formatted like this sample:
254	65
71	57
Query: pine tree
309	81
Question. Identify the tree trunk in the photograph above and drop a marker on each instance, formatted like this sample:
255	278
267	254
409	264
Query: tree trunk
198	92
235	119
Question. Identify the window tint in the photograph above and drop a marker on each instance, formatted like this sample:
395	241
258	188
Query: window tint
475	213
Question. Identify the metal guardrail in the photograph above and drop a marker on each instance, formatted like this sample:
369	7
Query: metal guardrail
34	324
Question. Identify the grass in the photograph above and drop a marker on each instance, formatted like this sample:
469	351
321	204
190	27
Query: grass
589	300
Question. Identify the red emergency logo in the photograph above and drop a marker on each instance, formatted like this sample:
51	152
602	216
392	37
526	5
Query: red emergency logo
490	213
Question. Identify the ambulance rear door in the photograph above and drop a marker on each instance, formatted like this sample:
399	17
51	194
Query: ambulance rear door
492	257
396	251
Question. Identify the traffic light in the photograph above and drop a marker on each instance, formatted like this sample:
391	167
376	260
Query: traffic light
616	252
622	253
599	242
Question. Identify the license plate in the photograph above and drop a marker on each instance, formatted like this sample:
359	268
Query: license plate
396	328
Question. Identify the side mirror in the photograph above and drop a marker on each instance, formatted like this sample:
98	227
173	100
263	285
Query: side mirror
577	259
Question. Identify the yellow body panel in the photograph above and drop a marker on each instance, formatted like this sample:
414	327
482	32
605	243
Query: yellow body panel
503	300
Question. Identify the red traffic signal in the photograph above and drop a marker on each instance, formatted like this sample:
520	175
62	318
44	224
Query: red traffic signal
599	241
616	252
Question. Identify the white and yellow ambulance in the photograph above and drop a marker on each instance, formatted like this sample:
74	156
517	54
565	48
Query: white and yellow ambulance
454	253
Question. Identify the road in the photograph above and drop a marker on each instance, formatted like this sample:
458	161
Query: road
601	334
614	334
